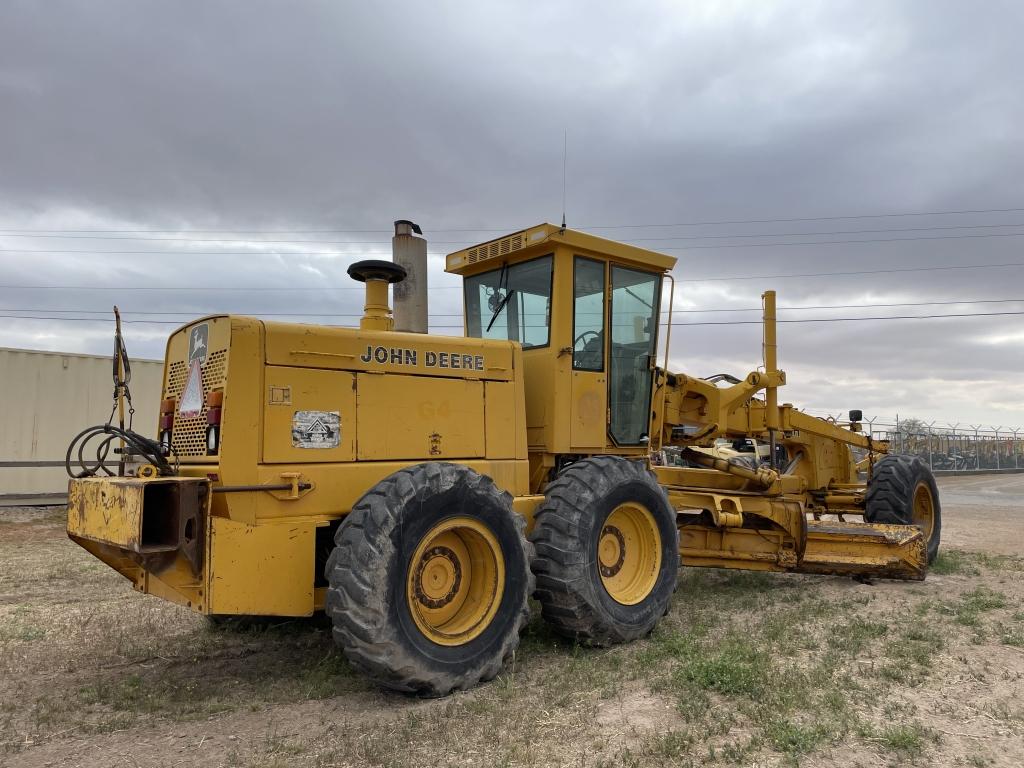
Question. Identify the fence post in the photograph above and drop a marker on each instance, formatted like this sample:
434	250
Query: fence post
928	443
977	443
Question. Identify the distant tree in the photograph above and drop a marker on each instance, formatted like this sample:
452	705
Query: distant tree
913	426
913	433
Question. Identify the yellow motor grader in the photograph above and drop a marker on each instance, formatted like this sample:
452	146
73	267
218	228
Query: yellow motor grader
421	488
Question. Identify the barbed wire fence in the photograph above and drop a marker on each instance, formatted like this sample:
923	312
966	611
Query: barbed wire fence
948	446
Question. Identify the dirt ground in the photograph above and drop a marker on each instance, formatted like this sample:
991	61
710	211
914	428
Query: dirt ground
746	670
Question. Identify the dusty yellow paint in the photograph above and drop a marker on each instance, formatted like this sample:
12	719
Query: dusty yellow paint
307	390
503	417
526	243
455	581
261	569
110	510
107	510
406	417
589	424
176	584
629	553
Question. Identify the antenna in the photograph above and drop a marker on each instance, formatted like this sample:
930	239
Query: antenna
565	145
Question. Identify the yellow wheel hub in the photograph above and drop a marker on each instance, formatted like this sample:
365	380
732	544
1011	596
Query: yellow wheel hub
924	509
456	580
629	553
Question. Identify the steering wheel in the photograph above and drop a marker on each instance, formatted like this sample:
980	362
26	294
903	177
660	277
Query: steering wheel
582	338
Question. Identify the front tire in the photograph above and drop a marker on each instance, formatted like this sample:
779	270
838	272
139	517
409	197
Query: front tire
902	491
607	551
429	580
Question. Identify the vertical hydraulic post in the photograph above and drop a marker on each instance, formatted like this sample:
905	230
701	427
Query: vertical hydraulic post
771	363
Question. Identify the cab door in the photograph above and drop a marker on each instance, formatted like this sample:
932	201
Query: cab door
635	299
589	417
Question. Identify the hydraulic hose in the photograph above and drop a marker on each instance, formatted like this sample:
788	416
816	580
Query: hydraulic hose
96	440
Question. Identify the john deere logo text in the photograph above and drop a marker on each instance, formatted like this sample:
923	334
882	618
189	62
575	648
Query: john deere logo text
431	359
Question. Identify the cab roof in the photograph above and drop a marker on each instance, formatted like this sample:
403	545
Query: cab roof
541	239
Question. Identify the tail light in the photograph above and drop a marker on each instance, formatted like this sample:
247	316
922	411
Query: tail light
167	409
214	404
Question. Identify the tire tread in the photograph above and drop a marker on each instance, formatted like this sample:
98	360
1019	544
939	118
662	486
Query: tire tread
358	575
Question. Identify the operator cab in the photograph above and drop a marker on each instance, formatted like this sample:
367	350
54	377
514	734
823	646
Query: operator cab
586	312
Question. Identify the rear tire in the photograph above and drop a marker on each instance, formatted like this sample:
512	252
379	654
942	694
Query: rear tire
429	580
902	491
607	551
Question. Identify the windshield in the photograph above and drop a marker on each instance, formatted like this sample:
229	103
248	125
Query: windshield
511	302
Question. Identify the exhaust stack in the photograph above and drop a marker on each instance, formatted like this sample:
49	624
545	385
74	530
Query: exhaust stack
377	275
410	252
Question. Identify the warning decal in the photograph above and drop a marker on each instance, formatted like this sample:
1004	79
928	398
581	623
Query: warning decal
316	429
192	396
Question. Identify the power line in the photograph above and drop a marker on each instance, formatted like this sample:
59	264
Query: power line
836	306
265	289
819	233
95	251
725	236
519	228
199	312
810	218
360	252
710	322
859	272
219	289
240	240
851	319
839	242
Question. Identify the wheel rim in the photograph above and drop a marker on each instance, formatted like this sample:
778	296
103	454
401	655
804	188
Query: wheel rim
924	509
629	553
456	580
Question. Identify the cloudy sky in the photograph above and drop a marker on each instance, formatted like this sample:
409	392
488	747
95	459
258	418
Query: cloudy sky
186	158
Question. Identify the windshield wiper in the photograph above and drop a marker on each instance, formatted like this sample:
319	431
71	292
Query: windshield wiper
502	283
497	309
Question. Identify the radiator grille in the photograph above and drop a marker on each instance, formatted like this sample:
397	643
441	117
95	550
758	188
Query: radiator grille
495	248
189	435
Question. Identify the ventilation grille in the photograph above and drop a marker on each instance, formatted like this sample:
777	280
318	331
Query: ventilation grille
495	248
189	435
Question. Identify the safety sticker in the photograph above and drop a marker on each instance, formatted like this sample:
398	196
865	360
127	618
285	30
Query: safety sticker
316	429
192	397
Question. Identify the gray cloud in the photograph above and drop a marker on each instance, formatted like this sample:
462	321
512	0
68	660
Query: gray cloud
319	116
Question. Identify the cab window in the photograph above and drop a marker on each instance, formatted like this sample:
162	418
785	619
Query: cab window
635	297
511	302
588	315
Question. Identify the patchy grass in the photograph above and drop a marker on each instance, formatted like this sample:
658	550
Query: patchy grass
21	632
958	562
768	672
747	669
954	561
855	635
908	740
971	606
1012	636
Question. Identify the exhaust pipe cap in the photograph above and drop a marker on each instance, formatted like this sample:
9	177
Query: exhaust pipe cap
375	269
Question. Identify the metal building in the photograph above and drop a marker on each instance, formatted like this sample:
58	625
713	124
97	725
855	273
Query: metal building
46	398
